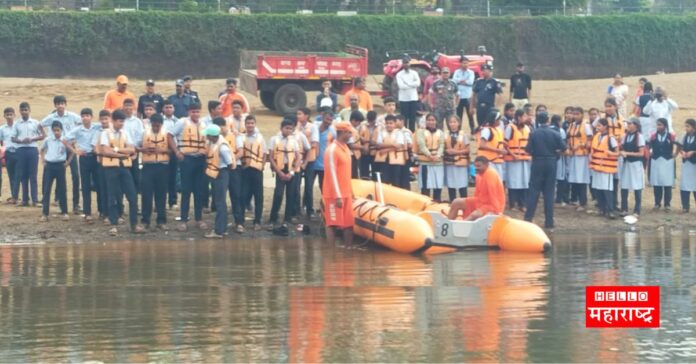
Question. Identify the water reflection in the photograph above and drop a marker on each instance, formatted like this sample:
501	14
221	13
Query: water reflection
301	301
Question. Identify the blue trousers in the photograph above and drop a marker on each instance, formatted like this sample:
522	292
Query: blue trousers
88	174
220	187
27	167
119	182
235	190
11	167
193	181
153	178
308	196
54	171
543	180
103	194
173	171
281	187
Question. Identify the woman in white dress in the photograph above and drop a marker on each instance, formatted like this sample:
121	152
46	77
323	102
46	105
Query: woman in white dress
631	173
456	159
619	91
687	150
604	164
662	175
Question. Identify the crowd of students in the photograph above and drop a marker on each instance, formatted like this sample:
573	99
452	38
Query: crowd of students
147	150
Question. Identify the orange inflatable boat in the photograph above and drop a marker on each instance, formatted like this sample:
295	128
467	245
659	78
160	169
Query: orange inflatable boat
408	222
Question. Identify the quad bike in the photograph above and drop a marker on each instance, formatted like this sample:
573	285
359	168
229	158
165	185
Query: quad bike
424	62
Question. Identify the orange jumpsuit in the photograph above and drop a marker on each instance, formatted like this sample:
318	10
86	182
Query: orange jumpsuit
337	185
489	196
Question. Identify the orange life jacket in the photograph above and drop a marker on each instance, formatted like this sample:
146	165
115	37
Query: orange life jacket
159	142
577	137
394	157
212	169
356	140
458	144
192	139
497	142
369	137
120	143
600	160
281	151
307	131
517	143
432	143
253	155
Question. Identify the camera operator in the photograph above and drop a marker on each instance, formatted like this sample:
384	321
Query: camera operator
485	91
660	106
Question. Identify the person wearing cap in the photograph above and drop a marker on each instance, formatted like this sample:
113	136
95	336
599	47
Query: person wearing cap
485	91
545	145
337	191
230	96
116	149
408	82
364	97
69	121
180	100
520	87
191	153
354	106
464	78
188	83
26	132
445	97
285	157
155	173
219	161
114	98
84	139
150	97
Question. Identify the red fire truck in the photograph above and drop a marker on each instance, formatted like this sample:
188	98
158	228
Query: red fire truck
281	79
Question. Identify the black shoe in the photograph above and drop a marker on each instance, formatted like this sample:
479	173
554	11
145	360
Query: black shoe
612	216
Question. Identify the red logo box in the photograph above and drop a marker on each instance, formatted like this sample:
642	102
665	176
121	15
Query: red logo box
622	306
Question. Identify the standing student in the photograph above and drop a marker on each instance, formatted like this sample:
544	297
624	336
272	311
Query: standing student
368	137
430	149
26	133
579	139
604	164
56	154
337	191
464	78
617	129
117	149
6	132
85	138
545	145
509	114
155	174
327	134
191	154
168	123
408	81
69	121
492	143
253	162
102	191
646	122
285	158
518	163
631	174
687	150
234	186
407	151
236	119
662	168
355	144
311	133
390	144
134	127
148	111
456	159
214	111
219	162
562	195
389	109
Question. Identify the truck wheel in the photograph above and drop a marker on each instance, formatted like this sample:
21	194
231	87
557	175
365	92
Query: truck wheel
267	99
289	98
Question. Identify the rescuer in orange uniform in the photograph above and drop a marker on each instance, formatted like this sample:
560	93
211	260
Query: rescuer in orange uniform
489	197
336	191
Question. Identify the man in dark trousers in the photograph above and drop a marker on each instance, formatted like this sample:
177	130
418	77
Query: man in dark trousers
544	145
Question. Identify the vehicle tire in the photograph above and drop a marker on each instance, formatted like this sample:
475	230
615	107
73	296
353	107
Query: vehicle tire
267	99
289	98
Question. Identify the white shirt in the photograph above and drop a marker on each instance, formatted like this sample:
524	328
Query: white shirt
408	83
664	109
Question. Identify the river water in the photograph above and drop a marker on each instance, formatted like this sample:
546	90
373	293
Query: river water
301	300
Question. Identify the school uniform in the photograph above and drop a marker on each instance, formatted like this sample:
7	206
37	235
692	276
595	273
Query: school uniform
662	167
495	139
192	144
392	160
368	136
405	174
431	174
562	189
27	158
325	138
579	136
155	175
517	171
173	165
355	155
86	139
219	160
631	173
688	176
253	162
456	166
69	121
10	160
136	130
310	132
234	186
119	181
603	169
55	155
285	151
